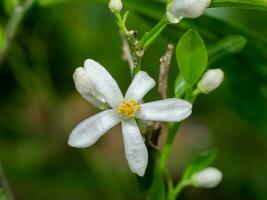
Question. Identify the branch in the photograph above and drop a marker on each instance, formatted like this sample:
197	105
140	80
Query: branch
164	71
12	27
126	51
159	127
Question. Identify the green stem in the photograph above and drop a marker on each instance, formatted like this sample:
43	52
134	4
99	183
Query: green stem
179	188
138	65
121	23
12	27
167	146
150	36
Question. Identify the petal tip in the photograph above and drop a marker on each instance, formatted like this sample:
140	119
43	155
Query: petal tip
73	142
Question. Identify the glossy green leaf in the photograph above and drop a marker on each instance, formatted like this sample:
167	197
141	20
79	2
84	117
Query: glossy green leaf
202	161
248	4
191	56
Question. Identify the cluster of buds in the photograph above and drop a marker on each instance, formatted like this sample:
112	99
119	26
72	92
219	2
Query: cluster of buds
176	10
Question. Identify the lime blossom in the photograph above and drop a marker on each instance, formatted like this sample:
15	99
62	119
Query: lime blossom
97	86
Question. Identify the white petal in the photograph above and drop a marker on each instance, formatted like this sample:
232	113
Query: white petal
135	148
86	89
168	110
103	83
88	131
140	85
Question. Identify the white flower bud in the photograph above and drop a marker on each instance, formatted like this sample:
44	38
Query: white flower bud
207	178
211	80
179	9
115	5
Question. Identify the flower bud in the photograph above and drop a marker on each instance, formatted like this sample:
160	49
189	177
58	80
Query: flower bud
115	5
179	9
207	178
211	80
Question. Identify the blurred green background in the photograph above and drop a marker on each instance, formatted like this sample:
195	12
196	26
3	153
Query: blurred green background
39	105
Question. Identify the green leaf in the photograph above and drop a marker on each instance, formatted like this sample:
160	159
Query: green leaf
229	44
248	4
191	56
9	5
203	160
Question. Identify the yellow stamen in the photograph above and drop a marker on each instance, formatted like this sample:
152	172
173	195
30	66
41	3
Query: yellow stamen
128	109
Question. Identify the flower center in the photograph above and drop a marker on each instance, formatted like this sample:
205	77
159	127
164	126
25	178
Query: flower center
128	109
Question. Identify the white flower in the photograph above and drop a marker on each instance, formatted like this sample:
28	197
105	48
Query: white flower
179	9
207	178
211	80
97	86
115	5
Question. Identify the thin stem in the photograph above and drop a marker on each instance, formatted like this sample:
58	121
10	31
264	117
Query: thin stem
138	65
126	52
12	27
121	23
150	36
167	146
180	186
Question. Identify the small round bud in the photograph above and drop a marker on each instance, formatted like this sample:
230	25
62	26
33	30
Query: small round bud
179	9
207	178
115	5
211	80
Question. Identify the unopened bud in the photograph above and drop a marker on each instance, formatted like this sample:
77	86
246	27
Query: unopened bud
115	5
179	9
207	178
211	80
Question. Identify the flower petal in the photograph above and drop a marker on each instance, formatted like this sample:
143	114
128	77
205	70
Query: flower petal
168	110
88	131
140	85
135	148
103	83
86	89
